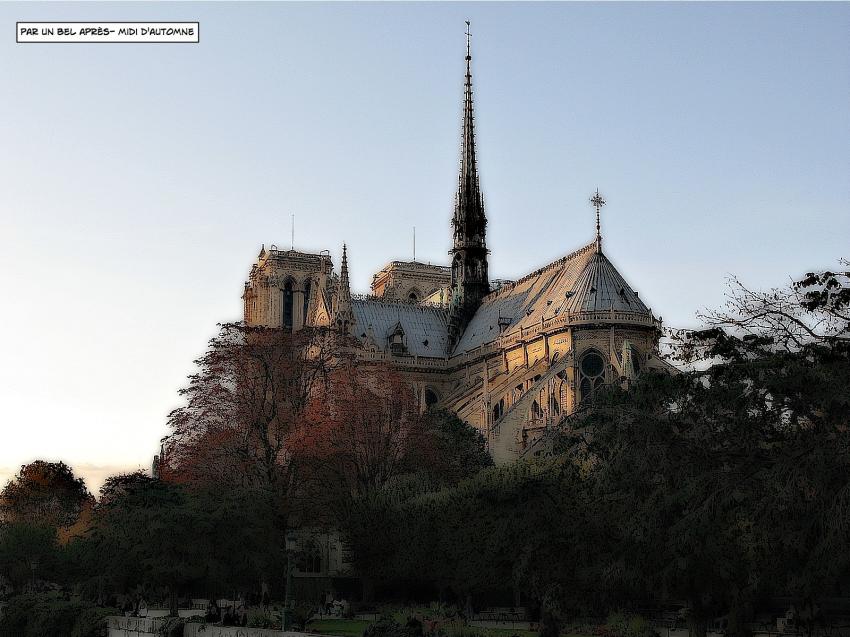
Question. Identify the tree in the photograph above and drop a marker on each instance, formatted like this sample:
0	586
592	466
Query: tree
813	311
243	404
461	450
28	551
361	430
675	478
44	493
160	534
734	475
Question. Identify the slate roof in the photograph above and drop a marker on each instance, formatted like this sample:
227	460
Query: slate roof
425	328
584	280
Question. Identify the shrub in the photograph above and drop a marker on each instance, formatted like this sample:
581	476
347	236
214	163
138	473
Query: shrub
624	625
172	627
15	615
388	628
91	621
36	615
301	614
264	621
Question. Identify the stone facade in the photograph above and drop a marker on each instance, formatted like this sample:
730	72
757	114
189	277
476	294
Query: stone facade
412	281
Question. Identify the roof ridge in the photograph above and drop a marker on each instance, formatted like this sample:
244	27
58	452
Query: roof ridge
422	305
558	262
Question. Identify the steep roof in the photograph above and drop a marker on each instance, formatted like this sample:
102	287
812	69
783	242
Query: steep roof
425	329
583	281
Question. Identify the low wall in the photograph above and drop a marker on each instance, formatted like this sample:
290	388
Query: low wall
149	627
133	626
201	630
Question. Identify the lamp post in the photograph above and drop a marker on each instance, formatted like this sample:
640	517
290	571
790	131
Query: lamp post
290	549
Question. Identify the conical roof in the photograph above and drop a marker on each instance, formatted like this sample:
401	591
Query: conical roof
581	282
601	288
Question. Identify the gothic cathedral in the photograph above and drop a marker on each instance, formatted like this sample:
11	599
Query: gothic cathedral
509	357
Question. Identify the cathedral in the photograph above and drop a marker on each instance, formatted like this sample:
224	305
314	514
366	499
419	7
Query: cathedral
510	358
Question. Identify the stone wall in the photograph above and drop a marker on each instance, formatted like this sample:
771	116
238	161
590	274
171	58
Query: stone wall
199	630
148	627
133	626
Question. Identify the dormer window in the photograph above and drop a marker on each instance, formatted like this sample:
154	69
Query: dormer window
396	340
504	322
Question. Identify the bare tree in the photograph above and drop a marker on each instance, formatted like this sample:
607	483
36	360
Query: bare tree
812	311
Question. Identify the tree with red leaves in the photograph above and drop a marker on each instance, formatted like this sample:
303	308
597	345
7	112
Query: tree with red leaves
46	493
247	398
361	431
366	426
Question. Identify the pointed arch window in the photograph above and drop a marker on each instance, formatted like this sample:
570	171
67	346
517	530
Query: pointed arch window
431	398
498	409
306	299
554	405
592	374
536	411
637	360
287	304
311	558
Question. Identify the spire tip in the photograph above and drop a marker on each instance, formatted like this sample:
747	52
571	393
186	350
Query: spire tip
597	201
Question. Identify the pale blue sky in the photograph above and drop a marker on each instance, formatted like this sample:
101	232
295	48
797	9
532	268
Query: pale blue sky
137	182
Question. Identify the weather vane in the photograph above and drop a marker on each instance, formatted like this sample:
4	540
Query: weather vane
597	201
468	36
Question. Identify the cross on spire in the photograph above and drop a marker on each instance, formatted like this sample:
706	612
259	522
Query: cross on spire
468	36
597	201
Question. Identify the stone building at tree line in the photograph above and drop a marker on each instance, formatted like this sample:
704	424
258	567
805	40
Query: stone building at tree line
509	357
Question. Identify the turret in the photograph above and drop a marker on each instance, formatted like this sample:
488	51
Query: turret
343	317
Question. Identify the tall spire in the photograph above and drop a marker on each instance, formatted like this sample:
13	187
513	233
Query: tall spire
469	220
343	313
470	282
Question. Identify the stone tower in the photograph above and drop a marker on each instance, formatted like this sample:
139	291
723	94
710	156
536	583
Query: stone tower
470	282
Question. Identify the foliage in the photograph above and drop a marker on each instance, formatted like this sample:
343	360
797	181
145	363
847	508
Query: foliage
520	523
243	404
28	550
340	627
162	534
622	624
264	621
172	627
44	493
461	449
362	430
36	615
91	620
390	628
712	486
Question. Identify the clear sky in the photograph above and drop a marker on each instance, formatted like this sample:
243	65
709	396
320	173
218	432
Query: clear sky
137	182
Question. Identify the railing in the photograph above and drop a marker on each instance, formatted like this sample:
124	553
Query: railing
523	334
553	324
397	301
